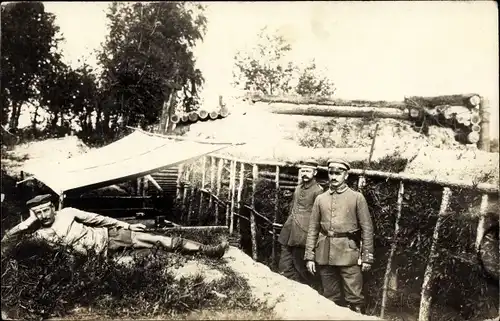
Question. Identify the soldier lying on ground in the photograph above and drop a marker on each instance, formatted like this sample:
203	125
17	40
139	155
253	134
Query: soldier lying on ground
85	231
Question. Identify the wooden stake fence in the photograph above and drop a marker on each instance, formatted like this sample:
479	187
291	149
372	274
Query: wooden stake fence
425	300
232	195
482	220
240	192
203	177
276	212
253	229
395	239
212	181
220	165
234	210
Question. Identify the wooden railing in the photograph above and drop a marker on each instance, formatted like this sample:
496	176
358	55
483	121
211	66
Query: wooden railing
234	206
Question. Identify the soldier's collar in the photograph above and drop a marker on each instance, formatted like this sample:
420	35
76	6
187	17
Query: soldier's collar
309	184
340	190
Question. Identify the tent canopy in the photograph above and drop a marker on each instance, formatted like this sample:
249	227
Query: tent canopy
135	155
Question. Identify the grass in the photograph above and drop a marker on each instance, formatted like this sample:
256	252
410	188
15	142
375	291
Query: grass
39	281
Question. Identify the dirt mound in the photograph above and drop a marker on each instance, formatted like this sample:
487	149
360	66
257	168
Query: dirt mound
469	165
291	300
21	156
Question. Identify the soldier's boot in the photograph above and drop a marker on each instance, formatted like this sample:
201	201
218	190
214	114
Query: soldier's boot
359	308
215	251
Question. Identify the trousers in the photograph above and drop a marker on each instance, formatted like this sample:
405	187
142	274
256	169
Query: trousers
293	266
342	279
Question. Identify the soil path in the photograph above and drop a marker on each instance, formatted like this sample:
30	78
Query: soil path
291	300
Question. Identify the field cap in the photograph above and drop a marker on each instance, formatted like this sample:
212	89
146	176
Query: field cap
339	163
39	200
309	163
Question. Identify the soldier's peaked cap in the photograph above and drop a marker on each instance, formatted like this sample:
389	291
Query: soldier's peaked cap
338	162
309	163
39	200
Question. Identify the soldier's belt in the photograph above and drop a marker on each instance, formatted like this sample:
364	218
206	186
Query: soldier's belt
339	234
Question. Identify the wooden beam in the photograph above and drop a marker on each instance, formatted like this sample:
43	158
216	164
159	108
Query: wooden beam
203	181
220	166
253	229
425	300
240	192
232	196
484	111
482	221
483	187
180	190
276	212
389	272
212	181
232	174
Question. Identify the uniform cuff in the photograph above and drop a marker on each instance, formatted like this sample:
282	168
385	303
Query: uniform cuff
368	258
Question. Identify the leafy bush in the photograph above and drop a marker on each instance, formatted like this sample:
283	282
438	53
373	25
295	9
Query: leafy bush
40	281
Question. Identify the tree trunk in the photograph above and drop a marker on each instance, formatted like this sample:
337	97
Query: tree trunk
171	111
34	120
14	118
337	111
165	111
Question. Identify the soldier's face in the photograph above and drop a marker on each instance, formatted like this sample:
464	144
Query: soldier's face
337	176
45	213
306	174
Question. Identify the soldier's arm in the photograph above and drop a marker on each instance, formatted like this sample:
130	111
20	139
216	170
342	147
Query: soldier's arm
366	224
312	233
17	230
94	219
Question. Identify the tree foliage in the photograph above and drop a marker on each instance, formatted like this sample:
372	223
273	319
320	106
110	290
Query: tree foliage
29	45
263	68
312	83
147	53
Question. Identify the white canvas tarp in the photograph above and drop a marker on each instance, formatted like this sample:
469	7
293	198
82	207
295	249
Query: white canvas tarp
135	155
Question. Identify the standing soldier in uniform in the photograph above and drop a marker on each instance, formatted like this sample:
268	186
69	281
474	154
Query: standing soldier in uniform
340	220
294	233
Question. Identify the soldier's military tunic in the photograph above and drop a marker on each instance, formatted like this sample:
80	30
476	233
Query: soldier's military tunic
294	233
334	214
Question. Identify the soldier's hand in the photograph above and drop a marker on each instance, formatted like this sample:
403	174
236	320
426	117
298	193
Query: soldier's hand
311	267
366	267
137	227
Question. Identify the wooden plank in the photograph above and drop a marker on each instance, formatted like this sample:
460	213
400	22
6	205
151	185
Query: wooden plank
180	190
253	229
154	182
232	174
276	212
425	300
482	221
220	166
203	178
232	196
389	269
240	192
212	181
483	187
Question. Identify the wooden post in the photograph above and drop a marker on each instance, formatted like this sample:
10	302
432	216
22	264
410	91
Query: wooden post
192	194
212	181
484	112
145	186
482	220
425	300
187	173
253	228
233	194
238	199
203	176
180	190
276	212
232	170
389	270
220	166
61	203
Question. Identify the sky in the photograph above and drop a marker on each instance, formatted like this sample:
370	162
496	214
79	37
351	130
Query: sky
372	50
